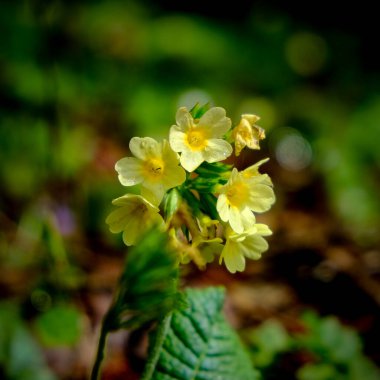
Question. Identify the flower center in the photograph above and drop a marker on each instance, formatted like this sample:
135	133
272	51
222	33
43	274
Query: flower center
154	168
238	194
196	138
139	211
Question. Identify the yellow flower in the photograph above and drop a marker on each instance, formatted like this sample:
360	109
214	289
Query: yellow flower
246	133
253	171
249	244
134	217
156	167
200	250
208	248
240	196
200	140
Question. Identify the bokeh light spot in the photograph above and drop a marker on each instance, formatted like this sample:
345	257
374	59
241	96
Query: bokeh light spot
192	96
293	152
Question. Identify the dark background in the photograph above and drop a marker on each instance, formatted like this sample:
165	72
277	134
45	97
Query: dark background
80	78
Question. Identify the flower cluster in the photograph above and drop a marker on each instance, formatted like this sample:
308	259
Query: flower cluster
207	207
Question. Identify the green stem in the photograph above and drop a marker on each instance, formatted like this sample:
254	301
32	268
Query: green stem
100	353
156	349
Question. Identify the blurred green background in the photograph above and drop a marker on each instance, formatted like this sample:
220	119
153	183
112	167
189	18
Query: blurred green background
80	78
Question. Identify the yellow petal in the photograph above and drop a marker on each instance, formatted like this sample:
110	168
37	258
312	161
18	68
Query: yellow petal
153	192
177	139
117	219
144	147
263	229
265	180
261	197
133	217
240	144
190	160
133	200
209	250
235	220
253	246
174	176
253	170
132	231
168	154
184	119
217	150
129	169
247	218
136	227
156	220
222	207
251	118
235	176
215	119
233	259
246	133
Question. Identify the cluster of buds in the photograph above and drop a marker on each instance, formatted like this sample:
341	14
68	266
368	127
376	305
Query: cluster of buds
206	206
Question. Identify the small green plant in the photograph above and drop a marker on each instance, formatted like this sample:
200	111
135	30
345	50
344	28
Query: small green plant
20	355
329	351
191	207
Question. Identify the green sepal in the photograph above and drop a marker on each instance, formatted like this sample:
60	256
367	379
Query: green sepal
198	111
208	205
172	201
213	169
205	185
192	201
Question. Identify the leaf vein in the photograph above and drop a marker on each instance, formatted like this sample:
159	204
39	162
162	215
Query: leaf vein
195	325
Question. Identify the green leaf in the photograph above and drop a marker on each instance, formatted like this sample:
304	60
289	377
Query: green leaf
59	326
147	289
267	341
330	339
319	372
148	285
362	368
197	343
343	344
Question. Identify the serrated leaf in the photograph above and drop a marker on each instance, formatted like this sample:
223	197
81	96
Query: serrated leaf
196	343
